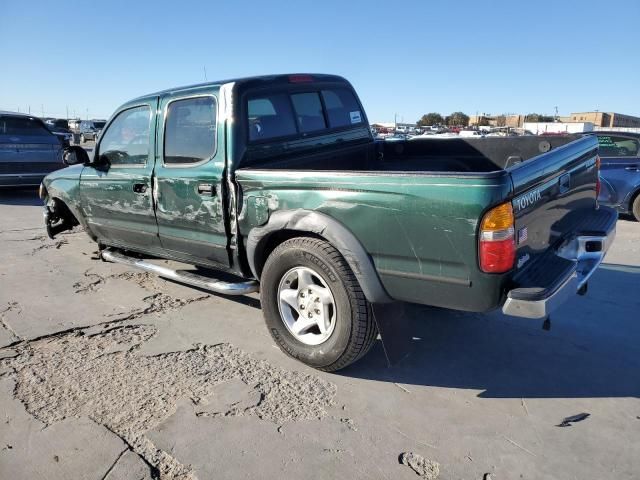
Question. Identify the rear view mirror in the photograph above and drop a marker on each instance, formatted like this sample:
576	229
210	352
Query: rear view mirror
75	155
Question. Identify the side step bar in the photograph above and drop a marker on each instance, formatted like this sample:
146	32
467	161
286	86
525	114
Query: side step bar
182	276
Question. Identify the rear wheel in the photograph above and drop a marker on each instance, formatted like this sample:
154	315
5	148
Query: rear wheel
313	305
635	207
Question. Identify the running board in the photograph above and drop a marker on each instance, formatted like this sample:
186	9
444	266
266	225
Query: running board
182	276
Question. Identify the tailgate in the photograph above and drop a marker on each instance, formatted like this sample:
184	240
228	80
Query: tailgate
553	194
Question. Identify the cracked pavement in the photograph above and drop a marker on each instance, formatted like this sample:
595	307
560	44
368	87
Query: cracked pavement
108	373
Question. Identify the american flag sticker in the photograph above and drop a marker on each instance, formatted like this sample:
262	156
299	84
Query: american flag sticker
522	235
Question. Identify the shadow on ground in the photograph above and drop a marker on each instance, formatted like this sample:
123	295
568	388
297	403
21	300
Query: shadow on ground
20	196
592	349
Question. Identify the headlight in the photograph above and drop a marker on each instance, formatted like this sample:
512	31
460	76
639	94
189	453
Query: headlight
42	191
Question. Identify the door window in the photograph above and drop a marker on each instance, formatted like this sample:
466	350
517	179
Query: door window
308	111
190	130
615	146
126	140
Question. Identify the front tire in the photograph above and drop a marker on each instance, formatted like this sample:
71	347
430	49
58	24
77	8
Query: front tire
313	305
635	208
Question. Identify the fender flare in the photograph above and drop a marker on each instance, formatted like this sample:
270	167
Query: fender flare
331	230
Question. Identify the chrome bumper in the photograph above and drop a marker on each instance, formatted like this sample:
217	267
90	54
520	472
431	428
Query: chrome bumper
587	252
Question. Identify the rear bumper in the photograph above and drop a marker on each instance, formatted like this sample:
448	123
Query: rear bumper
585	251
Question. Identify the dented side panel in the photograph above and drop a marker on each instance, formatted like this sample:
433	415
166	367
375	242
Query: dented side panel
420	230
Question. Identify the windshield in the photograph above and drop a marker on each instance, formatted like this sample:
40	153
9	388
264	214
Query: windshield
99	125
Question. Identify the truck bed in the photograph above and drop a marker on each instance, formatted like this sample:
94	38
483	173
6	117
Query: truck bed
416	205
447	155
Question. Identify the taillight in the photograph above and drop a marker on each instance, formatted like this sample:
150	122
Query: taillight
597	179
497	246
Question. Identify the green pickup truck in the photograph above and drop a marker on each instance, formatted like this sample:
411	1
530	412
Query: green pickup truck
277	184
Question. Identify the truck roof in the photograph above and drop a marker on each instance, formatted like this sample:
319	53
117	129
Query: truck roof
261	80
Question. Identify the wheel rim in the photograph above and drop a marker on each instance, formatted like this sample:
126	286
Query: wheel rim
307	306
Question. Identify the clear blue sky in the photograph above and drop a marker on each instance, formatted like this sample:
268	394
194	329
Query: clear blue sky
416	57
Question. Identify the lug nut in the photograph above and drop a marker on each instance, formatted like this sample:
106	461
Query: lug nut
317	300
310	291
310	314
301	307
317	312
302	294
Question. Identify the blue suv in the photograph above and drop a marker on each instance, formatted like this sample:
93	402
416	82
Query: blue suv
620	171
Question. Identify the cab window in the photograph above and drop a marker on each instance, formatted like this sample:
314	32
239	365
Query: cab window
308	112
270	116
615	146
190	130
126	140
342	107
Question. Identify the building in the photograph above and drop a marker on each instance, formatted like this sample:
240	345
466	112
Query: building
514	121
606	119
555	128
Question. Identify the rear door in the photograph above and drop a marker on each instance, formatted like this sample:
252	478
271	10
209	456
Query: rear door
620	168
189	176
116	193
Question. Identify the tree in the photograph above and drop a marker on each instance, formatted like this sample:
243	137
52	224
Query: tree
458	119
501	120
537	117
432	118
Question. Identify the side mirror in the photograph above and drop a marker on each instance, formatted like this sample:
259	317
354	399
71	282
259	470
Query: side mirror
75	155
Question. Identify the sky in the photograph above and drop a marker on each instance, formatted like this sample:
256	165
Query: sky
404	58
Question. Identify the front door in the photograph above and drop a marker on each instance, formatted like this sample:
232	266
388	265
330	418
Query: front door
188	180
116	193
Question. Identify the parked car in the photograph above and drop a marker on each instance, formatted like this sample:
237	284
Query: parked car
60	128
74	124
28	150
620	171
278	181
90	129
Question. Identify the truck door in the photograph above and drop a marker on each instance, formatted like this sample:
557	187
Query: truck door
115	191
620	168
188	180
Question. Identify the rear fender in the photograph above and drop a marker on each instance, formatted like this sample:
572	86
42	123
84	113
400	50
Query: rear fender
306	221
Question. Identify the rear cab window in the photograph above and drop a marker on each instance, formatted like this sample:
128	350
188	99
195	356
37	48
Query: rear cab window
20	126
342	107
298	114
616	146
270	116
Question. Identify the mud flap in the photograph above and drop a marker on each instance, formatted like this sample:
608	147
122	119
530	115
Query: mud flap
394	330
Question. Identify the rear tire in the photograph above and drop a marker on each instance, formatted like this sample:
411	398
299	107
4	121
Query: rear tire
349	331
635	208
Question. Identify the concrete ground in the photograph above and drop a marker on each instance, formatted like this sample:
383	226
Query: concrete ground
112	374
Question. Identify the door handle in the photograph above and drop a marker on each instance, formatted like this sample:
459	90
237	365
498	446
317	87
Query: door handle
206	189
140	187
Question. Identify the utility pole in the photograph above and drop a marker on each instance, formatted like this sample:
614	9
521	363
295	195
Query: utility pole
204	67
42	108
67	113
556	117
